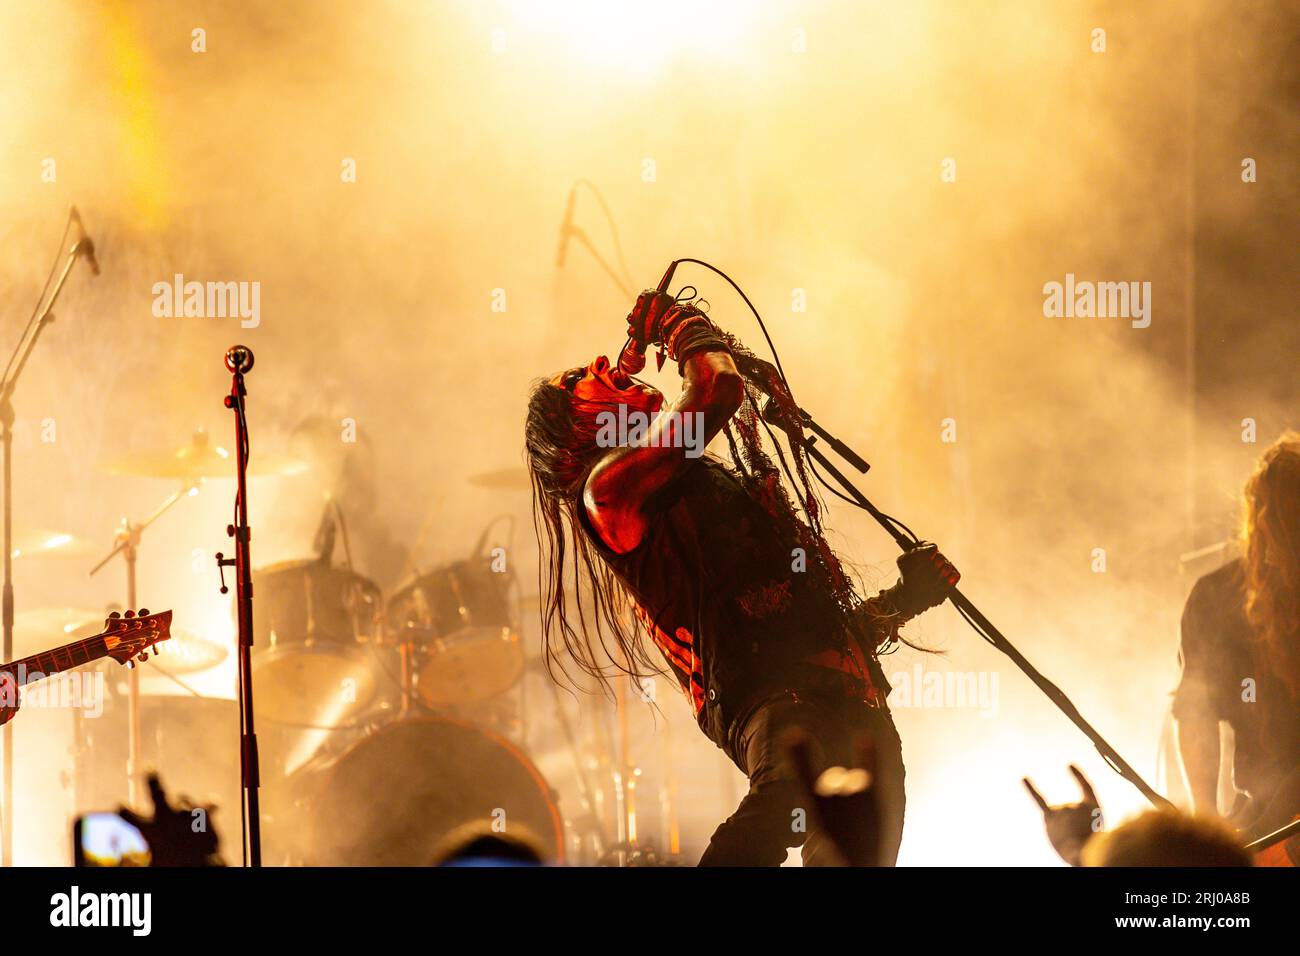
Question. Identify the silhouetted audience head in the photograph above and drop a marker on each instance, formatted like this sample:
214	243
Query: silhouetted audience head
477	845
1167	838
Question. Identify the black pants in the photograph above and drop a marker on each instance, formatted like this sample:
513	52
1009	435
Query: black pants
774	814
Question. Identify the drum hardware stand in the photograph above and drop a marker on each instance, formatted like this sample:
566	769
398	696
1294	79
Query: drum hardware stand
127	544
239	361
632	850
406	655
625	773
668	792
622	773
22	352
590	820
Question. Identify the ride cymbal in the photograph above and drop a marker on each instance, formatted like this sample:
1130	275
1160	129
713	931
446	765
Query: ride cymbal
198	459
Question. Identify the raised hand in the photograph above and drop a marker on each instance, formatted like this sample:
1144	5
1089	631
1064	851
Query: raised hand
657	315
1070	825
177	836
843	799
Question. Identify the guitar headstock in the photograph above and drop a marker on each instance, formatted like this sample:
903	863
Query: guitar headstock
129	636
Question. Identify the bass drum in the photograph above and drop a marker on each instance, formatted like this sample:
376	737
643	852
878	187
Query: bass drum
391	797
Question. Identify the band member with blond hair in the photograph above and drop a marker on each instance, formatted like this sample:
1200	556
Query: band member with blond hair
1241	656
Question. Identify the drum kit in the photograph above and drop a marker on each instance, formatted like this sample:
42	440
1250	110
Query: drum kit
385	721
381	718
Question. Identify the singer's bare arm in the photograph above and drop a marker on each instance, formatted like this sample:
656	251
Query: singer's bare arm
1196	707
620	487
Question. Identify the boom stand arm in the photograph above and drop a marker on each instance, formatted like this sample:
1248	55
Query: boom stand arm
982	623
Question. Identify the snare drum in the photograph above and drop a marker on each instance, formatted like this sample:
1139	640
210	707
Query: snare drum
314	631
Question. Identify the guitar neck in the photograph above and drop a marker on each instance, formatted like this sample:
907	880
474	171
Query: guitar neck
48	663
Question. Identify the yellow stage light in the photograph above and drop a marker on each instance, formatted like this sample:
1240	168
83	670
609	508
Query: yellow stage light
636	38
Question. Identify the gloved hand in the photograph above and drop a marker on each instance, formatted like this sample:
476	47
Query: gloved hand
657	316
926	578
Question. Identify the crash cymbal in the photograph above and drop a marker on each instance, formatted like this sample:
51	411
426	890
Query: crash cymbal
198	459
39	630
47	543
503	479
43	628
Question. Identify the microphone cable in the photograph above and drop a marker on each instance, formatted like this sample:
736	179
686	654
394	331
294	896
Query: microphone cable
776	359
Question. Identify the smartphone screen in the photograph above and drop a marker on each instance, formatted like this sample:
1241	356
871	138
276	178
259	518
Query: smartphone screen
105	839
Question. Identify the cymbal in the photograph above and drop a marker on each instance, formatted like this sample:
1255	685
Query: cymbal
43	628
503	479
198	459
47	543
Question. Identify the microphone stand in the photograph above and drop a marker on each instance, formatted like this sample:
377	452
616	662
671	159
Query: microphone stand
569	231
239	360
964	604
576	233
23	352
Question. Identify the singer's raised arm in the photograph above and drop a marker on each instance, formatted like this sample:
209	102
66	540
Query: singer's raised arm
620	496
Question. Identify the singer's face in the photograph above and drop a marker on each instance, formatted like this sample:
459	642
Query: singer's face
606	385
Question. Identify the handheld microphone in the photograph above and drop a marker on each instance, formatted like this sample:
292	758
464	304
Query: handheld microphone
632	359
85	246
566	227
668	277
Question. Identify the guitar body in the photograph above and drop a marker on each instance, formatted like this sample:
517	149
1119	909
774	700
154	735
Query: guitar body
1257	818
1286	853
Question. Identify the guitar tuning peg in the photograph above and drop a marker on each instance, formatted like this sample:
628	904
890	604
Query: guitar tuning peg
144	612
115	615
130	613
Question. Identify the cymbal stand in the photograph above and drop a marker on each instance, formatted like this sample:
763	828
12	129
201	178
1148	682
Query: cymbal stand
17	362
127	544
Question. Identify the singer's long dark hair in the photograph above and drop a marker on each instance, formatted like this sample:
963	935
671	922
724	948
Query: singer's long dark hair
561	450
560	444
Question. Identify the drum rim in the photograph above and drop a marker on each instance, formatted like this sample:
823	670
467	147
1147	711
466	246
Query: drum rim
278	653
